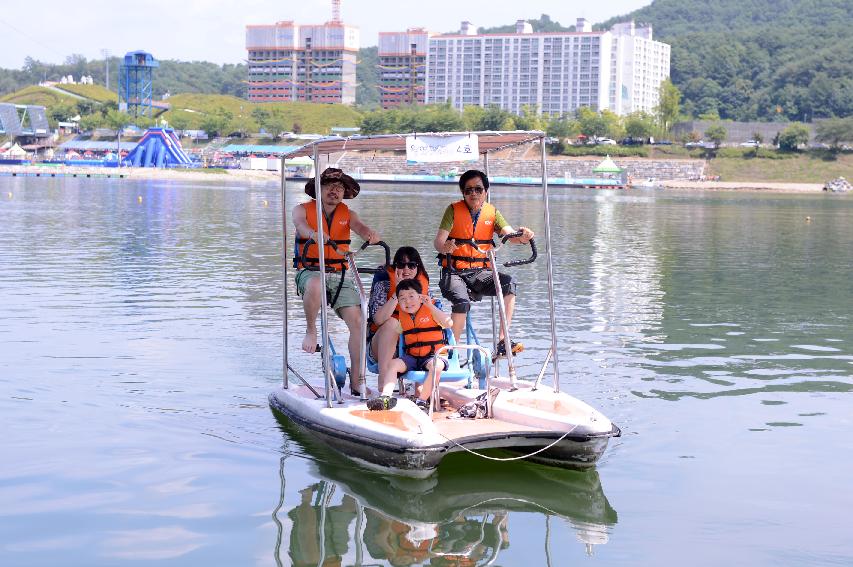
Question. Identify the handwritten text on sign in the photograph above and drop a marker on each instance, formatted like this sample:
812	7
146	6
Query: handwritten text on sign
432	149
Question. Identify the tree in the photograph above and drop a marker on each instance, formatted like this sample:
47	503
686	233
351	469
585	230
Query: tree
669	105
834	131
179	121
530	119
115	120
215	123
716	133
592	124
793	136
639	125
562	127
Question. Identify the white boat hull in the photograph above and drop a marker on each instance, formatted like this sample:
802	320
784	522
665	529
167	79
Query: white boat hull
407	439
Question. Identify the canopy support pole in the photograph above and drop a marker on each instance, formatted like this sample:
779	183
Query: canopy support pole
284	272
328	380
550	266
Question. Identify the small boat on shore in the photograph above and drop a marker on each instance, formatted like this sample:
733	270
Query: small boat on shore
521	416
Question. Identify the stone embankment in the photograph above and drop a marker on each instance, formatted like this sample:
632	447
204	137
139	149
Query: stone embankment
503	166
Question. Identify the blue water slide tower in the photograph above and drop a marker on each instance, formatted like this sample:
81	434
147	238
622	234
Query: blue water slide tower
136	83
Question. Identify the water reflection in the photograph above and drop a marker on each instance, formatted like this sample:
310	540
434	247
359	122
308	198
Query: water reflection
466	514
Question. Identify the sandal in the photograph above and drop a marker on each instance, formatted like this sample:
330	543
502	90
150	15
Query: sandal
381	403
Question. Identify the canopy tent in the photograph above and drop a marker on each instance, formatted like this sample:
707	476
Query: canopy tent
607	166
16	151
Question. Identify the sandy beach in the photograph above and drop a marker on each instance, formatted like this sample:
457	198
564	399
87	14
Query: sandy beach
744	185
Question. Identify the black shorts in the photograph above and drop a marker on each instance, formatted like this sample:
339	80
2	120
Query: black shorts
463	287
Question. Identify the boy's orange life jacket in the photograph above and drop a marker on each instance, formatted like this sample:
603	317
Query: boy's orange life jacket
337	228
392	288
421	334
464	232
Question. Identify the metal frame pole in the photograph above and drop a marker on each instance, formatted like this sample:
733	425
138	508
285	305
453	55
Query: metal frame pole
497	363
321	252
284	272
550	266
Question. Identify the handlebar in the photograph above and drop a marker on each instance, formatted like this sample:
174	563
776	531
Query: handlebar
533	254
384	247
503	240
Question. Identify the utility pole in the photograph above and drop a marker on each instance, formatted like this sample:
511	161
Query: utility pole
106	54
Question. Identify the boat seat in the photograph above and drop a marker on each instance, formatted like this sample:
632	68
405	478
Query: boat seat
454	372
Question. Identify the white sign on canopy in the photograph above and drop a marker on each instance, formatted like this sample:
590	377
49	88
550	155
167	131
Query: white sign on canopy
434	149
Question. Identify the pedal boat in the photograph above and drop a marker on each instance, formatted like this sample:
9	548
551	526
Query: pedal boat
525	418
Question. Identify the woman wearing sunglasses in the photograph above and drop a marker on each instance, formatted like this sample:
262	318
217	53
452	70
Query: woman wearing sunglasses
382	307
468	226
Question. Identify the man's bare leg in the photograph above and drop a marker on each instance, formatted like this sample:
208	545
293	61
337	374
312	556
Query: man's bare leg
311	303
458	325
509	307
352	317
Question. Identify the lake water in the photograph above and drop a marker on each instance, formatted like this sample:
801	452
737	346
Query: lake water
140	334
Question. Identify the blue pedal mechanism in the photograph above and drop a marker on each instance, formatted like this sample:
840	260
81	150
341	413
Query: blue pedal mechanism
339	369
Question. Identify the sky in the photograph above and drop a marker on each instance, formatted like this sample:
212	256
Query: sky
214	30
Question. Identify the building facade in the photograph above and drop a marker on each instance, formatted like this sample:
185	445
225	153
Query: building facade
556	72
308	63
402	67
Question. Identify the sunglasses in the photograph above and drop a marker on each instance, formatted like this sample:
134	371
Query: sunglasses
471	190
406	265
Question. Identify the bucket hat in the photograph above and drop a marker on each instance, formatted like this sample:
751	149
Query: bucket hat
332	174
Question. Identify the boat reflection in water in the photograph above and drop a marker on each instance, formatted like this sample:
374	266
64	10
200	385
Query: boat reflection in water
458	516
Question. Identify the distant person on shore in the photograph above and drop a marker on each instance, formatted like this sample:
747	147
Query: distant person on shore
466	271
338	222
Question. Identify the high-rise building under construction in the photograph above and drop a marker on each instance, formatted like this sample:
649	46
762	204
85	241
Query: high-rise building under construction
402	67
310	63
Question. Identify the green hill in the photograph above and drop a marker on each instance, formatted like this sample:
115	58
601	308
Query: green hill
757	59
96	93
40	96
305	116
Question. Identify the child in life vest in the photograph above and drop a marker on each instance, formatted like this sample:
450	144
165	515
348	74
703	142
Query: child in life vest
422	325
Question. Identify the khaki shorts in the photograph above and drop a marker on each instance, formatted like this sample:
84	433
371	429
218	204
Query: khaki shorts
348	297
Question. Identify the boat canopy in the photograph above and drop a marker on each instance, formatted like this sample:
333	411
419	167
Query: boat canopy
489	141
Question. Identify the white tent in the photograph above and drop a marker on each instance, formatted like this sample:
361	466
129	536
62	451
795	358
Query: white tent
16	152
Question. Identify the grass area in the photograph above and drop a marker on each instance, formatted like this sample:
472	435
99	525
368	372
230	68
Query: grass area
612	151
214	170
771	165
93	92
310	117
39	96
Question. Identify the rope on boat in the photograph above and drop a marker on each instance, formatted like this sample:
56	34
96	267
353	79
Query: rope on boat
520	457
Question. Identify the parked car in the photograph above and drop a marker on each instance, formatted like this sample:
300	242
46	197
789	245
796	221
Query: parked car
605	142
750	144
629	141
662	143
703	144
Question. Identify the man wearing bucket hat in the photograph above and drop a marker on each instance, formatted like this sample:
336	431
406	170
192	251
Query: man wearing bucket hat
338	221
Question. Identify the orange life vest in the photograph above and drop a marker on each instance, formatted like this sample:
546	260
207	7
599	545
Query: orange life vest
392	288
337	228
421	334
466	256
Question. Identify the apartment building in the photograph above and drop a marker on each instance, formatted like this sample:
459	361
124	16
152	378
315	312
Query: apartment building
309	63
402	67
556	72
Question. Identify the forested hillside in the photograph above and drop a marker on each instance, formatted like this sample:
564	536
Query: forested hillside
757	59
171	77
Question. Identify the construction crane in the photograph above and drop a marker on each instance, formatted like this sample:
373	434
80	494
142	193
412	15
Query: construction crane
336	10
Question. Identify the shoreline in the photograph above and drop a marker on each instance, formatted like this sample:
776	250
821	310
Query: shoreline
258	176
